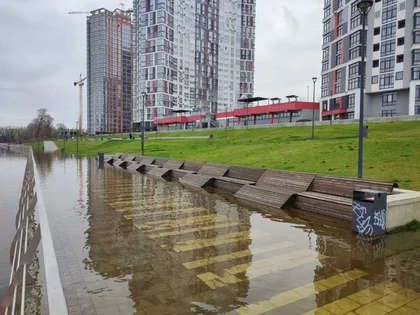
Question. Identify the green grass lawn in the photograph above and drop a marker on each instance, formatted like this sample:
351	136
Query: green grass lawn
392	150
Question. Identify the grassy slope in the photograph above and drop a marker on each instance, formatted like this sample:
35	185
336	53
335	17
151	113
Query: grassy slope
392	150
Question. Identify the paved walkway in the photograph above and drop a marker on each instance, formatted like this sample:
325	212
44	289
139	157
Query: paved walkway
49	146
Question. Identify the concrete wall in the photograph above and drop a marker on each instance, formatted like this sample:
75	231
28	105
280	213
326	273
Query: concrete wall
374	106
403	207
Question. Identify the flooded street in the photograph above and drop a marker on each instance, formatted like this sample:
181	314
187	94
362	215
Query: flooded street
129	244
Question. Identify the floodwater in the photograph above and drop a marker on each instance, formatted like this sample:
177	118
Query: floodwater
130	244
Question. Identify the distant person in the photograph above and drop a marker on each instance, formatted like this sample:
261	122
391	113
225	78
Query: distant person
131	136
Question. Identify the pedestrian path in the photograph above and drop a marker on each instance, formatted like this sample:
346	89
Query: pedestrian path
49	146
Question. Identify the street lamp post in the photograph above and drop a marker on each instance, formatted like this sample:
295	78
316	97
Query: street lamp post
142	123
313	109
364	7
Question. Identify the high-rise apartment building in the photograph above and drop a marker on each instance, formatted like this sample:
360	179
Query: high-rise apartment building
193	54
109	71
392	59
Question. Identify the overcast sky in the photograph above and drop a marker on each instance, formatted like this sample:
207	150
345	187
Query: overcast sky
43	50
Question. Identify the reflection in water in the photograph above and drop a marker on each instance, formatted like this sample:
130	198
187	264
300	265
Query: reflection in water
130	243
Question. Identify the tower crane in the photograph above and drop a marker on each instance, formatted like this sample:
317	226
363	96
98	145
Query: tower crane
79	12
80	83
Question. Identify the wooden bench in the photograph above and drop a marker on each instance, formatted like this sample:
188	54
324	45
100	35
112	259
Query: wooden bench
343	187
236	177
129	158
134	167
196	180
333	195
187	168
275	188
157	163
173	164
259	196
113	158
160	173
330	205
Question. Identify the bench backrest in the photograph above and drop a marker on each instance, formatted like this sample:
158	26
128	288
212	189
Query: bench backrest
343	187
216	170
160	161
294	181
174	164
116	156
147	160
245	173
122	157
129	158
192	166
139	158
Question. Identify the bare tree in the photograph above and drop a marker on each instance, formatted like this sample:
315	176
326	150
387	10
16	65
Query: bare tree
41	126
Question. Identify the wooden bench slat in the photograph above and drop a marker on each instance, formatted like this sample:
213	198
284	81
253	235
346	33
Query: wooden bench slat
174	164
196	180
245	173
192	166
215	170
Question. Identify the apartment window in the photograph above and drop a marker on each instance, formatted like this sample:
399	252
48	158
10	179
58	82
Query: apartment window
326	38
338	81
417	96
399	75
401	24
338	52
324	106
374	79
327	26
415	73
354	52
386	3
415	57
354	10
339	4
351	100
400	41
416	37
389	99
354	83
355	21
386	81
354	69
388	30
416	110
417	3
416	21
400	58
376	47
389	112
355	39
375	63
325	65
325	85
350	115
377	31
388	48
326	53
327	11
387	64
389	14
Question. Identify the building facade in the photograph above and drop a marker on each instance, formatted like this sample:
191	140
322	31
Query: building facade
192	54
392	59
109	72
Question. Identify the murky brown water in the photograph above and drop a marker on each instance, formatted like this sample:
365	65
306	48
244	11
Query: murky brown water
129	244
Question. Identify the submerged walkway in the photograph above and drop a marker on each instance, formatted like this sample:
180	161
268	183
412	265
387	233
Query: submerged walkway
49	146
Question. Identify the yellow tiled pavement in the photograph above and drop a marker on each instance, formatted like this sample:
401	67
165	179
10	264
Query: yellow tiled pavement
380	299
297	294
147	214
259	268
192	230
145	206
184	221
220	240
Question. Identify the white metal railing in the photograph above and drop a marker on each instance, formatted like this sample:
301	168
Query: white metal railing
25	244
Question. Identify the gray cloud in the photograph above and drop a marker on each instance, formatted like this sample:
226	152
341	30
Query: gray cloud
43	50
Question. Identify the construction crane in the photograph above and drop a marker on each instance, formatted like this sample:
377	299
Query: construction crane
79	12
80	83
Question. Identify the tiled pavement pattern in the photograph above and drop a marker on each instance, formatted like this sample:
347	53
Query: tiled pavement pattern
151	247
